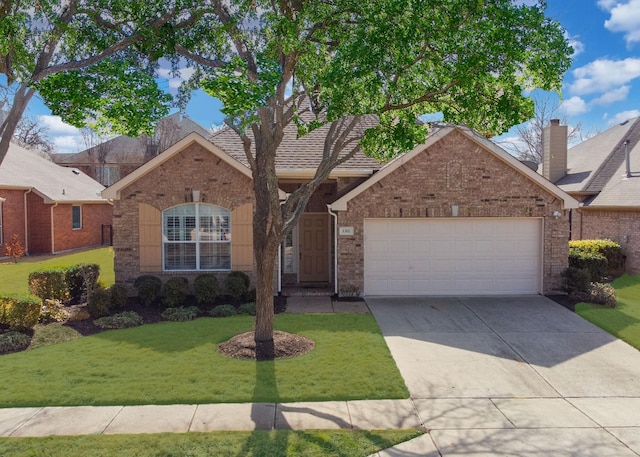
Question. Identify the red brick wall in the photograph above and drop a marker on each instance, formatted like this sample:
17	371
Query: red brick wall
93	217
620	226
39	225
12	216
458	171
168	185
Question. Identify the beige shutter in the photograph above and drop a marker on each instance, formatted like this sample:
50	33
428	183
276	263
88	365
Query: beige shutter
150	233
242	238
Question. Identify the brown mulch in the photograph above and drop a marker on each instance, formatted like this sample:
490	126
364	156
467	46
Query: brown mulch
243	346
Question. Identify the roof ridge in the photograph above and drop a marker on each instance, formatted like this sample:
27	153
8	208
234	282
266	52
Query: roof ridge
610	165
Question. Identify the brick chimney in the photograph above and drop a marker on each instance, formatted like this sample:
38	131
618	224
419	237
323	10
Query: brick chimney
554	151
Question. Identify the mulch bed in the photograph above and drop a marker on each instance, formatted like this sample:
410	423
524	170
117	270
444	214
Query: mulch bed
564	300
243	346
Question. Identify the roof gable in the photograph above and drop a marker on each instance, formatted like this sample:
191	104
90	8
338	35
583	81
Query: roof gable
502	155
114	191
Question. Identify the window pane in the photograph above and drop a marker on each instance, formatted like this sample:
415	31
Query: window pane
215	256
180	256
76	217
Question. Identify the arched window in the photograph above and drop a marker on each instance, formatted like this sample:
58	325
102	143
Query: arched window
196	236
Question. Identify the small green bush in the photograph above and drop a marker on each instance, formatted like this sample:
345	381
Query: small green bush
611	250
181	314
49	283
19	312
99	302
237	284
122	320
223	311
602	294
53	311
575	280
81	278
247	308
13	342
593	263
175	291
206	288
149	288
119	295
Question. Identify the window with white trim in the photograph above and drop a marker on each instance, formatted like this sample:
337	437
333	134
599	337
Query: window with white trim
196	236
76	217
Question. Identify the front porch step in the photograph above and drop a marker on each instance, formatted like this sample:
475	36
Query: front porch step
308	290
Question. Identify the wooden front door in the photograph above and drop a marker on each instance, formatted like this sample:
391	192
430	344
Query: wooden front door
313	231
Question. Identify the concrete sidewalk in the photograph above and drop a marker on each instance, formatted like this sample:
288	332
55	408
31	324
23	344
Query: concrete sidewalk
85	420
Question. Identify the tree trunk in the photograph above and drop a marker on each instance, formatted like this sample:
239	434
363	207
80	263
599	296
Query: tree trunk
8	127
265	265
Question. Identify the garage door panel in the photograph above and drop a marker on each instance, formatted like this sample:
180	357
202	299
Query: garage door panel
448	257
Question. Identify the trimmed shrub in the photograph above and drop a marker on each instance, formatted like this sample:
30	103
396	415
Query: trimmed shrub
206	288
49	283
223	311
119	295
19	312
122	320
181	314
247	308
53	311
602	294
237	284
80	279
575	280
13	342
594	264
149	288
611	250
175	291
99	302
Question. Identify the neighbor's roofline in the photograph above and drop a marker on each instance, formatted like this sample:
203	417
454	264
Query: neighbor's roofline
568	201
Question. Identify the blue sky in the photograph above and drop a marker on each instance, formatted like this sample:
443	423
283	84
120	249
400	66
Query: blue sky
602	87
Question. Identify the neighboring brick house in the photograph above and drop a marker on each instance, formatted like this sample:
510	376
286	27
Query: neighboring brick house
457	215
114	159
603	173
51	208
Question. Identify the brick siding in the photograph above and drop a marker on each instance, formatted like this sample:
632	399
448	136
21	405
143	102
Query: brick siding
94	216
455	170
12	217
168	185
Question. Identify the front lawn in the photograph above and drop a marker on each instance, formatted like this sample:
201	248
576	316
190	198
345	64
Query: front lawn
177	362
15	276
623	321
338	443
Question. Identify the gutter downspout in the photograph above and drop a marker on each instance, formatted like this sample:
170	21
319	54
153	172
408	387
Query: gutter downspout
335	249
53	235
26	225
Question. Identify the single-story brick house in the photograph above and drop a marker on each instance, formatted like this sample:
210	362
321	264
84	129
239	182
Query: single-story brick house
603	174
457	215
51	208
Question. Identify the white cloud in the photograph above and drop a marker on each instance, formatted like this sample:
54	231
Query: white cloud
175	79
575	43
625	18
574	106
607	4
623	116
615	95
68	143
56	125
602	75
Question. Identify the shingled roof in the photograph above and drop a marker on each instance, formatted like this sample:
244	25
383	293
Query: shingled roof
29	169
597	167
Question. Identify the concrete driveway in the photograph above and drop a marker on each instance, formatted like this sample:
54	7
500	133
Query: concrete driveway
507	376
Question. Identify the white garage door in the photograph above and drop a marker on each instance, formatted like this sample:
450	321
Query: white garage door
452	256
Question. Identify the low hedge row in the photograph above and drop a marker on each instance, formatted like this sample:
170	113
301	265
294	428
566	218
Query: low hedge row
19	312
599	258
67	284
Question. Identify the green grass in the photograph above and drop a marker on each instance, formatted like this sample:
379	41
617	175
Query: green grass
338	443
15	276
623	321
177	362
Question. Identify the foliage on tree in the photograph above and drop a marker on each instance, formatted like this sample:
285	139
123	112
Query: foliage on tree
91	60
14	248
334	64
